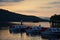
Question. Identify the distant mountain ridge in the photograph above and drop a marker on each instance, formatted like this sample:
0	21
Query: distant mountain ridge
7	16
45	18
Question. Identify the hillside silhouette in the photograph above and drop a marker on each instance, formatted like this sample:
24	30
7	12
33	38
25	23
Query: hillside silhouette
7	16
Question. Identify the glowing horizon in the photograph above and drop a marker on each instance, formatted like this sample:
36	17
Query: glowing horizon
38	8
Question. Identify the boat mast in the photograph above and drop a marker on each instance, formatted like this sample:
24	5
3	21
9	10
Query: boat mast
21	22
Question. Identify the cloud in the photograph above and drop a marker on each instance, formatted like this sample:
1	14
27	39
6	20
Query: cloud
47	7
56	2
28	11
10	0
31	11
6	4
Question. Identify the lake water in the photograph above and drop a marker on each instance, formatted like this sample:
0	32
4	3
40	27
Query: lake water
43	24
5	35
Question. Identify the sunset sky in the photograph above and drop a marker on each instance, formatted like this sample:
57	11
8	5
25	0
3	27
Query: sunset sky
45	8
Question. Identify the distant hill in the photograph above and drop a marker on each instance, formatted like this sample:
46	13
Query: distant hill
7	16
45	18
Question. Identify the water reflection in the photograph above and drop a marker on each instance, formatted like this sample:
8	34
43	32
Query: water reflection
5	35
43	24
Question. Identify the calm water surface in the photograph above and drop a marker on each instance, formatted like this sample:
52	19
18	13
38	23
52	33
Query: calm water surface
5	35
43	24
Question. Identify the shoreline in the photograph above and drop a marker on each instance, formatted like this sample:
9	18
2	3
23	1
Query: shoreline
3	28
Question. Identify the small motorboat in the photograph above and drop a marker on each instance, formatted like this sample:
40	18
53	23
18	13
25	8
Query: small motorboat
17	28
34	30
51	33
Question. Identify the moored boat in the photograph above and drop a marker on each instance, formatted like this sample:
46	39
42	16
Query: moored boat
34	30
17	28
51	33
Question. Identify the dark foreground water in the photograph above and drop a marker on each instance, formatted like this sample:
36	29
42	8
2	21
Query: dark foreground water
5	35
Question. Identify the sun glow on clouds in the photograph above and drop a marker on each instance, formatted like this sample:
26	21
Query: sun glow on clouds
33	7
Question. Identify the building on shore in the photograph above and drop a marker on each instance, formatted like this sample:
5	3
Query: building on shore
55	21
